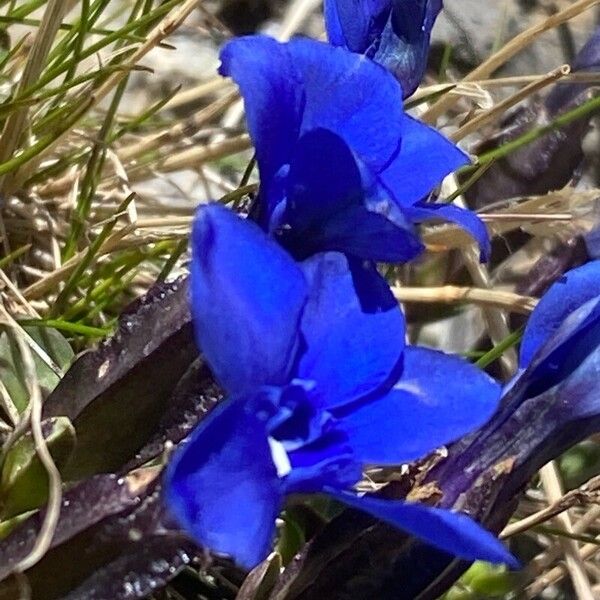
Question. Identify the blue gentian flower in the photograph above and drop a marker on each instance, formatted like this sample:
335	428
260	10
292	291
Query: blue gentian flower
342	166
551	404
319	385
562	333
393	33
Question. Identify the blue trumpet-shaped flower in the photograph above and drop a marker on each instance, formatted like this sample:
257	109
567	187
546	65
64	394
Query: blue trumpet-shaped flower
394	33
320	384
551	404
562	333
342	167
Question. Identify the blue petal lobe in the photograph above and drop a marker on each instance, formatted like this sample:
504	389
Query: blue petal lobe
571	291
247	297
576	339
412	19
572	370
355	24
273	100
403	47
438	399
351	96
327	461
333	25
425	158
353	328
394	33
348	213
378	236
315	194
467	219
291	89
452	532
588	59
222	484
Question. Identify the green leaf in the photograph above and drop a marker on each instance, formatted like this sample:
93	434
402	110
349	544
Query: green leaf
291	538
6	527
483	581
496	582
11	369
23	481
499	349
58	349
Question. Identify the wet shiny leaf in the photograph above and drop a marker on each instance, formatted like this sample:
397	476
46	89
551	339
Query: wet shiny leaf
112	541
116	395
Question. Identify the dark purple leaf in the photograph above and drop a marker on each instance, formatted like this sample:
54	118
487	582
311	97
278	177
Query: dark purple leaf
141	570
195	394
116	395
549	162
143	387
551	266
84	507
112	541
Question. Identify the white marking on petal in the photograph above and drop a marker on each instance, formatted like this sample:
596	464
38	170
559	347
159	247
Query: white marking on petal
280	458
407	386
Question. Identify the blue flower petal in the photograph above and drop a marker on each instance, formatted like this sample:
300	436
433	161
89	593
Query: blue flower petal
425	158
571	367
576	339
273	98
438	399
292	88
353	327
314	193
452	532
348	117
222	484
403	47
414	19
394	33
355	24
351	96
371	235
327	461
333	25
467	219
571	291
587	59
349	213
247	298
